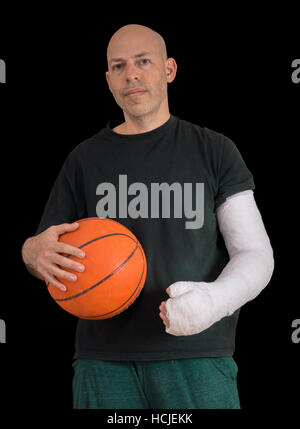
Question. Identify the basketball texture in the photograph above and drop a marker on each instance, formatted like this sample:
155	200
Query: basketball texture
115	270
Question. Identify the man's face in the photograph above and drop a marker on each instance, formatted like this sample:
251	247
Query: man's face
137	64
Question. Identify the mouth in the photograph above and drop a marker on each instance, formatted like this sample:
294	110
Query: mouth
135	93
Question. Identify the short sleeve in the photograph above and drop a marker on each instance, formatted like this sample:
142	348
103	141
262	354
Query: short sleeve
233	174
66	201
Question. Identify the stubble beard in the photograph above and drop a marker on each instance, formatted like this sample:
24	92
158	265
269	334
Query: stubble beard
138	110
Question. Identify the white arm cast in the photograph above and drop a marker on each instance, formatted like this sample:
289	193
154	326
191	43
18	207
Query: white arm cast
195	306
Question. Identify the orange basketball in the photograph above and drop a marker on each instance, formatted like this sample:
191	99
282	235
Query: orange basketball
115	270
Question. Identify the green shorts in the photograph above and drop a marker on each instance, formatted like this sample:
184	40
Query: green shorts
198	383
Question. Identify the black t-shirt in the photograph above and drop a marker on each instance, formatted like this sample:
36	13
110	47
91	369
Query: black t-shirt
165	186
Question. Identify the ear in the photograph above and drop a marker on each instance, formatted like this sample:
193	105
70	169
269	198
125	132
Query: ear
107	80
171	69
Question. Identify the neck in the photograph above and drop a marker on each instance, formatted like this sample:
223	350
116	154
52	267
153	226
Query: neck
143	124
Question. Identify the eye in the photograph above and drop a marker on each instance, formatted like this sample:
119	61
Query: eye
116	67
144	61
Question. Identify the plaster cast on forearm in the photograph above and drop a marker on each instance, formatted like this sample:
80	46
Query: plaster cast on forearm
194	306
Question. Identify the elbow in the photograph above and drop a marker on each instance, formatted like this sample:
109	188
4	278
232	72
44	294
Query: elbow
266	255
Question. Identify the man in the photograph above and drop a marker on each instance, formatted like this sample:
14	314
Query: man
174	350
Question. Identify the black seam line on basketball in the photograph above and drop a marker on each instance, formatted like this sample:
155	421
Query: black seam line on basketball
104	236
95	239
105	314
95	218
101	281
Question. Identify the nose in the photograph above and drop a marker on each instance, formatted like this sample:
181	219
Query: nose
132	72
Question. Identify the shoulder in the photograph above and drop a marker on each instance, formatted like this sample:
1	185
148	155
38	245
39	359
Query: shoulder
203	134
86	149
202	131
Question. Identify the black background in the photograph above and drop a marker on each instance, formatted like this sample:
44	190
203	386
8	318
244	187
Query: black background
234	76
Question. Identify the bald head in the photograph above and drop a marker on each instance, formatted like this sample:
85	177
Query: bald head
147	38
138	63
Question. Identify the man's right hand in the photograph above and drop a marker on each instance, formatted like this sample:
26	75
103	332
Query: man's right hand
42	254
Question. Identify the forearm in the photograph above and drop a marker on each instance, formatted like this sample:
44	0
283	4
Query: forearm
26	250
247	273
195	306
251	263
